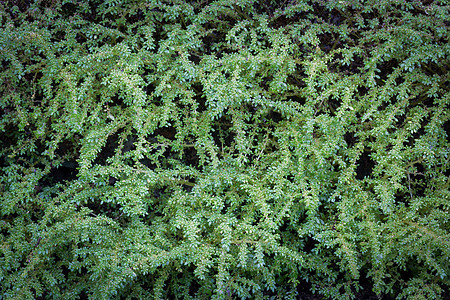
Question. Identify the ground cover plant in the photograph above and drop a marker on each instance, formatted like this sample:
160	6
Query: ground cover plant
228	149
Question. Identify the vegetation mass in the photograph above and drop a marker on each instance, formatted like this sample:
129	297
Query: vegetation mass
224	149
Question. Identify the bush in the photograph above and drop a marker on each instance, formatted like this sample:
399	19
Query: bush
224	149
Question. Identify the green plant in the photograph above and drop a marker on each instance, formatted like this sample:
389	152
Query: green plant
223	149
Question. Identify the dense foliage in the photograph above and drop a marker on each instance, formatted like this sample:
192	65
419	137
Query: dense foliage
224	149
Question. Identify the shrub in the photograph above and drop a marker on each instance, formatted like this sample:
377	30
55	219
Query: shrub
224	149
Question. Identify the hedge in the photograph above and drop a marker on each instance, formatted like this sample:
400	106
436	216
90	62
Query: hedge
224	149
